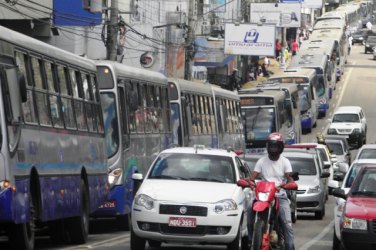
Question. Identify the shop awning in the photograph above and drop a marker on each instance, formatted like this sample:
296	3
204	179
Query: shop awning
214	64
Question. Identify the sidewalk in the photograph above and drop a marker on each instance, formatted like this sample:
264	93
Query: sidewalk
274	67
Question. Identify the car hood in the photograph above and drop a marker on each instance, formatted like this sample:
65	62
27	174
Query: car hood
188	191
307	181
361	207
345	125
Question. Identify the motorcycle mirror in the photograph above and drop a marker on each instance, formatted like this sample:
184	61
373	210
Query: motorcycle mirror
242	183
295	176
291	186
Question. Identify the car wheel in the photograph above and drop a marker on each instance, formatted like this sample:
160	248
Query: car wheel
336	242
236	244
320	214
154	243
137	243
360	142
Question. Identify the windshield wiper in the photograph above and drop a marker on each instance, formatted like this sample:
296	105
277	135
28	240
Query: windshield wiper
168	177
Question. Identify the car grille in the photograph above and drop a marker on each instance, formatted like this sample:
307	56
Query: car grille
300	191
307	204
347	130
199	230
373	226
175	210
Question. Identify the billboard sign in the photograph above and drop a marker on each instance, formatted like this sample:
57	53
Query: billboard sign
311	4
280	14
250	39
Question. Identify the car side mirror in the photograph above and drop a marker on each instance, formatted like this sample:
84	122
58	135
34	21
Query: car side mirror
325	175
343	167
340	193
327	165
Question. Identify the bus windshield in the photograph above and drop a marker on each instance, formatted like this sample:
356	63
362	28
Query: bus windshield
320	87
259	122
110	123
304	99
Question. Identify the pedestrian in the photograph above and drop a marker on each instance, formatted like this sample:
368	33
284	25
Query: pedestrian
350	44
277	49
233	83
369	25
294	47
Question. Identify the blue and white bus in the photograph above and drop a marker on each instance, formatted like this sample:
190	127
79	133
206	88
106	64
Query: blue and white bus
137	127
306	81
205	114
291	91
263	112
53	168
320	63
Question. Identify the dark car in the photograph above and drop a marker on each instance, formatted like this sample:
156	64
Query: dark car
369	44
359	36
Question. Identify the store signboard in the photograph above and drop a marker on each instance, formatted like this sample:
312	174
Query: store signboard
250	39
280	14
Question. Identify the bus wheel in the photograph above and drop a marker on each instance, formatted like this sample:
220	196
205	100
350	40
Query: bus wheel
78	227
22	236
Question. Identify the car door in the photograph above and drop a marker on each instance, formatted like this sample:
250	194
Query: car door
363	120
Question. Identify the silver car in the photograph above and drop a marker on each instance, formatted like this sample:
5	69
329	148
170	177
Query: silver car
312	191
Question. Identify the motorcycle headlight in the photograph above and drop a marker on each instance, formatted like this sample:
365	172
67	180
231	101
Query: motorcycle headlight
313	190
225	205
352	223
144	201
263	196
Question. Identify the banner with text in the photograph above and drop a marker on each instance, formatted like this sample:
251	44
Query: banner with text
281	14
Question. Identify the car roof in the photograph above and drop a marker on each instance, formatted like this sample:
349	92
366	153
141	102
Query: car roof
298	154
348	109
364	161
366	146
200	150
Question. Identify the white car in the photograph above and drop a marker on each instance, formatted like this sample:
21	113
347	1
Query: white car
374	53
367	151
339	204
350	121
190	196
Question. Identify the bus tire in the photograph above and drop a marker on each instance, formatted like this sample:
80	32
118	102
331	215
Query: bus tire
78	227
57	232
22	236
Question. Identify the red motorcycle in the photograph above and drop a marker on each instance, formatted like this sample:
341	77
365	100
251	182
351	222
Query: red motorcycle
266	208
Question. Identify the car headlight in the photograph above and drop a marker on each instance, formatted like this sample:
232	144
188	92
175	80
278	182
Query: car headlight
114	175
352	223
144	201
356	131
225	205
315	189
332	131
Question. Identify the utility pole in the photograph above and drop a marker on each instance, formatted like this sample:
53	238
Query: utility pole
112	32
245	11
189	50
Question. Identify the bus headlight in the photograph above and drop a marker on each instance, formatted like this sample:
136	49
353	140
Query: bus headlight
114	176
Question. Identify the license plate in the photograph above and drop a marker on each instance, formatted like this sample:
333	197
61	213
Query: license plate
182	222
108	204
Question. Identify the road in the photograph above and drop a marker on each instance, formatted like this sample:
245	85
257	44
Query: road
355	88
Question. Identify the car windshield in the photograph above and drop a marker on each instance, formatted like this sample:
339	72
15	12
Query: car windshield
335	147
365	184
352	174
346	118
371	39
367	154
193	167
303	166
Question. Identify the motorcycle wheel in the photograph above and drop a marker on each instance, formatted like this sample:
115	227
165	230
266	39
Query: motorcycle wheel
259	229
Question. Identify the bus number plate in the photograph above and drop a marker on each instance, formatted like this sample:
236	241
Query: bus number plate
182	222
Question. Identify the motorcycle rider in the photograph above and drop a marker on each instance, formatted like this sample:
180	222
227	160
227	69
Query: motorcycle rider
275	168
